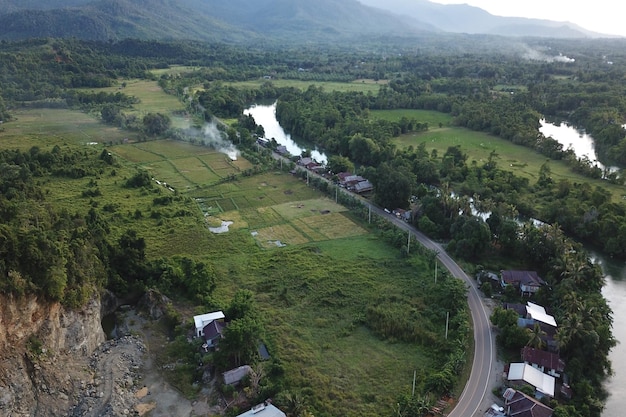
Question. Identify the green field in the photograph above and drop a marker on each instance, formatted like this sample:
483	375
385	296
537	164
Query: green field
152	97
362	86
518	159
49	127
435	119
313	293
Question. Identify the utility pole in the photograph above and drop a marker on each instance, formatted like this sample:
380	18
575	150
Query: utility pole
336	193
447	320
408	243
435	271
413	391
369	214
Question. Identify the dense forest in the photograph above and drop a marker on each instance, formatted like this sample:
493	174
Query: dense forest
67	256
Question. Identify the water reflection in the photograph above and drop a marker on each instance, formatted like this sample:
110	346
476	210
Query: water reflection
615	293
265	115
581	143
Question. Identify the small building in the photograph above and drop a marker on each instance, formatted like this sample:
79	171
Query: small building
282	150
538	313
547	362
213	333
518	404
527	282
304	161
363	187
234	376
522	373
265	409
203	320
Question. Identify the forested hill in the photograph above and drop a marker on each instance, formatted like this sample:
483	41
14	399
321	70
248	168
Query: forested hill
209	20
280	21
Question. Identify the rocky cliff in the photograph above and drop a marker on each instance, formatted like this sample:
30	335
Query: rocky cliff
44	352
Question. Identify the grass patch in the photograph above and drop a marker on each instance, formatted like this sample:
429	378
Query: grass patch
518	159
333	226
433	118
49	127
275	236
362	86
307	208
152	97
133	153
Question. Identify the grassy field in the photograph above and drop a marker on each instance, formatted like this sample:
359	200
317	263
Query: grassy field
478	145
435	119
49	127
313	292
363	86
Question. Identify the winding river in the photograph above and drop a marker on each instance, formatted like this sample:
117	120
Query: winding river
615	272
265	115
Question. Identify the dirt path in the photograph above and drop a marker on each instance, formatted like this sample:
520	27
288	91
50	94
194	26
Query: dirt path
126	381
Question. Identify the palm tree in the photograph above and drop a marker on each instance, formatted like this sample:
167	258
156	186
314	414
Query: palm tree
535	337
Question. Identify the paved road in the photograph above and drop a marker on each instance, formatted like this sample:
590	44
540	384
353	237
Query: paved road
479	382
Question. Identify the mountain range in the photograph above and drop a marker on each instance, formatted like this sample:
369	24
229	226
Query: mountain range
261	20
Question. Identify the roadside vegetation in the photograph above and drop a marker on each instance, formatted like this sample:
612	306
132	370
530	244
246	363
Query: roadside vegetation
109	181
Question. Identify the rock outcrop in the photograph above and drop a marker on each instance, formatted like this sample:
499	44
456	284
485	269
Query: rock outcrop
44	352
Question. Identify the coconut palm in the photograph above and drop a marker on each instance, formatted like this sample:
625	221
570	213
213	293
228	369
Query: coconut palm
535	337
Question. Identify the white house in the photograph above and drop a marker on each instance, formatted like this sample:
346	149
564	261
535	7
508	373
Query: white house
265	409
203	320
538	313
544	384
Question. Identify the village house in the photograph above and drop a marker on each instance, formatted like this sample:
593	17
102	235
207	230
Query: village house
363	187
522	373
213	333
203	320
518	404
265	409
527	282
536	313
234	376
547	362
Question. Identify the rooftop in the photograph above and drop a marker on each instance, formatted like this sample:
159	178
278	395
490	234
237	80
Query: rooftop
543	358
204	319
544	383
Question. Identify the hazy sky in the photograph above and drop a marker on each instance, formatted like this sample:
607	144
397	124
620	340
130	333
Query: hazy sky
604	16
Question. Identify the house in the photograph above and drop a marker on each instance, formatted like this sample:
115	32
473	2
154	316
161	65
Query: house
528	282
203	320
547	362
522	373
536	312
363	187
304	161
213	332
282	150
518	404
265	409
234	376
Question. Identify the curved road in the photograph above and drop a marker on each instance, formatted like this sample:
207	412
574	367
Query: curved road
471	399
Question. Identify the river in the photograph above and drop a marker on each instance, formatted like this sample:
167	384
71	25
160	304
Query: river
581	143
615	273
615	288
615	293
265	115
